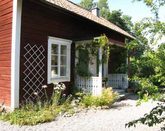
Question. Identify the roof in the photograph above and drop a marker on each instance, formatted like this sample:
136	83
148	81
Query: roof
74	8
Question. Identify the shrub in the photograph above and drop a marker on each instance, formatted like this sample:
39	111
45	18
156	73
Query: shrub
134	85
145	88
107	98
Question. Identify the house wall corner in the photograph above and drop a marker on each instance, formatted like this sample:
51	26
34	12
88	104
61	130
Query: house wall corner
15	53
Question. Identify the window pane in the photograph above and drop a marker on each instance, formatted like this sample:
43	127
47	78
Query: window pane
63	49
63	71
54	71
63	60
54	60
54	49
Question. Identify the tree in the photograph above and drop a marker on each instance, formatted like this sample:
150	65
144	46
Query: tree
160	69
128	21
123	21
153	30
103	4
104	8
154	5
86	4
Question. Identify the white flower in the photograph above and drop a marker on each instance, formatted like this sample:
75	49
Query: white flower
63	87
59	86
36	93
64	95
44	86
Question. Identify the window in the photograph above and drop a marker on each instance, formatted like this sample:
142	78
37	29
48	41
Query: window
58	60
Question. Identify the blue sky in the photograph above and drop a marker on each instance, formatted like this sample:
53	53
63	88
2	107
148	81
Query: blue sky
137	10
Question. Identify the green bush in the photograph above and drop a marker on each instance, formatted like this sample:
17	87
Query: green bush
107	98
133	85
147	88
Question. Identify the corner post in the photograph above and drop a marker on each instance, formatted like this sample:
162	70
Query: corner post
15	53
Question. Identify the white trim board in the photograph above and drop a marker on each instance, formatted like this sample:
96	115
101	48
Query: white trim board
15	53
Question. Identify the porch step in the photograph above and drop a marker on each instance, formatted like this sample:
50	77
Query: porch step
122	94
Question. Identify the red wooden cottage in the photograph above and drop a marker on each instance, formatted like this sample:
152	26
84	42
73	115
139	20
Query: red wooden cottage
37	44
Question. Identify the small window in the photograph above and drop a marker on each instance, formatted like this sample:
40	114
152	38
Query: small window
58	60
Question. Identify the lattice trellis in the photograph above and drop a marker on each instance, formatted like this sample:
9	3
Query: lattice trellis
34	71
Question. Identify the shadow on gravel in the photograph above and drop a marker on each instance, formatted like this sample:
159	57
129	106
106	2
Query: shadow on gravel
128	96
132	97
119	106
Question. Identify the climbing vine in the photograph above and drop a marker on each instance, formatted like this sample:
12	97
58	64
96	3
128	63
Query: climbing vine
88	51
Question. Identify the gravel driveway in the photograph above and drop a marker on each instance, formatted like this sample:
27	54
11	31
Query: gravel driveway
113	119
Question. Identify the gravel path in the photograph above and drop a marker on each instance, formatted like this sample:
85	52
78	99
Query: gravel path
113	119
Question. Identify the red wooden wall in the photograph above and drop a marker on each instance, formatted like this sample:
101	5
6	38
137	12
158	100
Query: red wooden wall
5	49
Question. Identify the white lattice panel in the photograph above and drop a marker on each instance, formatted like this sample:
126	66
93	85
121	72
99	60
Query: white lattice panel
91	85
34	71
118	80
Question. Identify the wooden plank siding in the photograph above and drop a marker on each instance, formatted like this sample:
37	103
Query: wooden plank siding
5	50
40	21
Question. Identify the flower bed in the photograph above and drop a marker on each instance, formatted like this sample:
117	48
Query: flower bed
46	111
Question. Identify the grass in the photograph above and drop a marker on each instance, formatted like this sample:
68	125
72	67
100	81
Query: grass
30	117
32	114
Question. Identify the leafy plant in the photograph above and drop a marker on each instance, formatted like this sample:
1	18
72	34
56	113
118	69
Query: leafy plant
145	89
83	63
107	98
88	51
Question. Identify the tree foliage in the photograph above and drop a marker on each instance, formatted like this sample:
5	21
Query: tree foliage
154	5
123	21
150	64
86	4
103	4
104	8
160	70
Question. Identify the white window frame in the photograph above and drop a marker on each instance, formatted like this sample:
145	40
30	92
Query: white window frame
59	42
